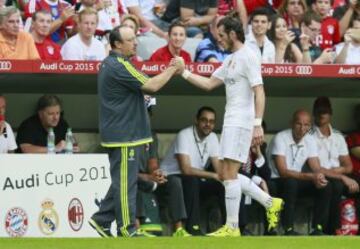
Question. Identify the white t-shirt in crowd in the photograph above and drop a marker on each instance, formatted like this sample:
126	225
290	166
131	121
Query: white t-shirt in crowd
240	72
296	154
268	53
330	148
75	49
146	7
187	142
7	143
353	53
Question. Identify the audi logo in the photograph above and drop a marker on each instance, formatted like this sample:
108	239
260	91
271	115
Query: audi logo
304	70
5	65
205	68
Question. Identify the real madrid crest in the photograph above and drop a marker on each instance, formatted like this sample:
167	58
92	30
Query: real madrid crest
48	218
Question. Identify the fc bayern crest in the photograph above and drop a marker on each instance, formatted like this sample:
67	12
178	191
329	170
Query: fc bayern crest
330	29
48	218
16	222
75	214
50	50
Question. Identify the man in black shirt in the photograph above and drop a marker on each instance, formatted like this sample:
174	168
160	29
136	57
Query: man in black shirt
32	133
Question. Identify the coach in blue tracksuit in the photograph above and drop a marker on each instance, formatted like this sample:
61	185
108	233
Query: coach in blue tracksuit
124	128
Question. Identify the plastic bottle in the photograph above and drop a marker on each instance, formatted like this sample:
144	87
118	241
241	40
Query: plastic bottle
51	141
69	139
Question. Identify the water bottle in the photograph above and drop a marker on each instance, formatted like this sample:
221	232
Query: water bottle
51	141
69	139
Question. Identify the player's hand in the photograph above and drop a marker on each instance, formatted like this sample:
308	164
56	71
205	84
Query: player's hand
258	136
179	63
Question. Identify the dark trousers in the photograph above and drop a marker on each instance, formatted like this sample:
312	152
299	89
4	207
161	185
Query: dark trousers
120	200
337	189
196	190
291	189
170	195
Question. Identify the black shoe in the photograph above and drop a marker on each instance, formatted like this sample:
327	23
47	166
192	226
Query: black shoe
318	231
291	232
102	231
196	231
271	232
246	232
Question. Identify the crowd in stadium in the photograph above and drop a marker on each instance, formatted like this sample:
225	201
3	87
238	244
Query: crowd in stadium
282	31
278	31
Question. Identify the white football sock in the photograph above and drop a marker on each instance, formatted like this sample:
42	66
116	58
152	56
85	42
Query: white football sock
232	202
249	188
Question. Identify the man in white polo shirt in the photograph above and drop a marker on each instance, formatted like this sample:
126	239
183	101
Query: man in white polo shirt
334	159
288	152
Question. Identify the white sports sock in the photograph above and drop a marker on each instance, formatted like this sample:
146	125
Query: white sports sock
232	202
249	188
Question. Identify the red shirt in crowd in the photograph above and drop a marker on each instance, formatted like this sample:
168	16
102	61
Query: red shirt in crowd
164	55
353	140
48	50
251	5
330	32
55	9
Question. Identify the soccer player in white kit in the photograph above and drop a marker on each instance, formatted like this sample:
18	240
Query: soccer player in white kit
245	104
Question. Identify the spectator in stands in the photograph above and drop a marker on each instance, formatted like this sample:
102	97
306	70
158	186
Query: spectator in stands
346	13
285	49
330	28
257	39
288	152
144	11
177	37
62	15
196	15
40	30
32	133
348	52
226	6
7	138
353	142
252	5
209	50
309	39
15	44
104	25
132	22
84	46
293	12
334	159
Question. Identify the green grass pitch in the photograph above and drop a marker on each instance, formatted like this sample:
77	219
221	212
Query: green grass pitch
253	242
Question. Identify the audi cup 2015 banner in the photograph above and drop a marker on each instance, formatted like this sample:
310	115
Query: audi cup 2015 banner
51	195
